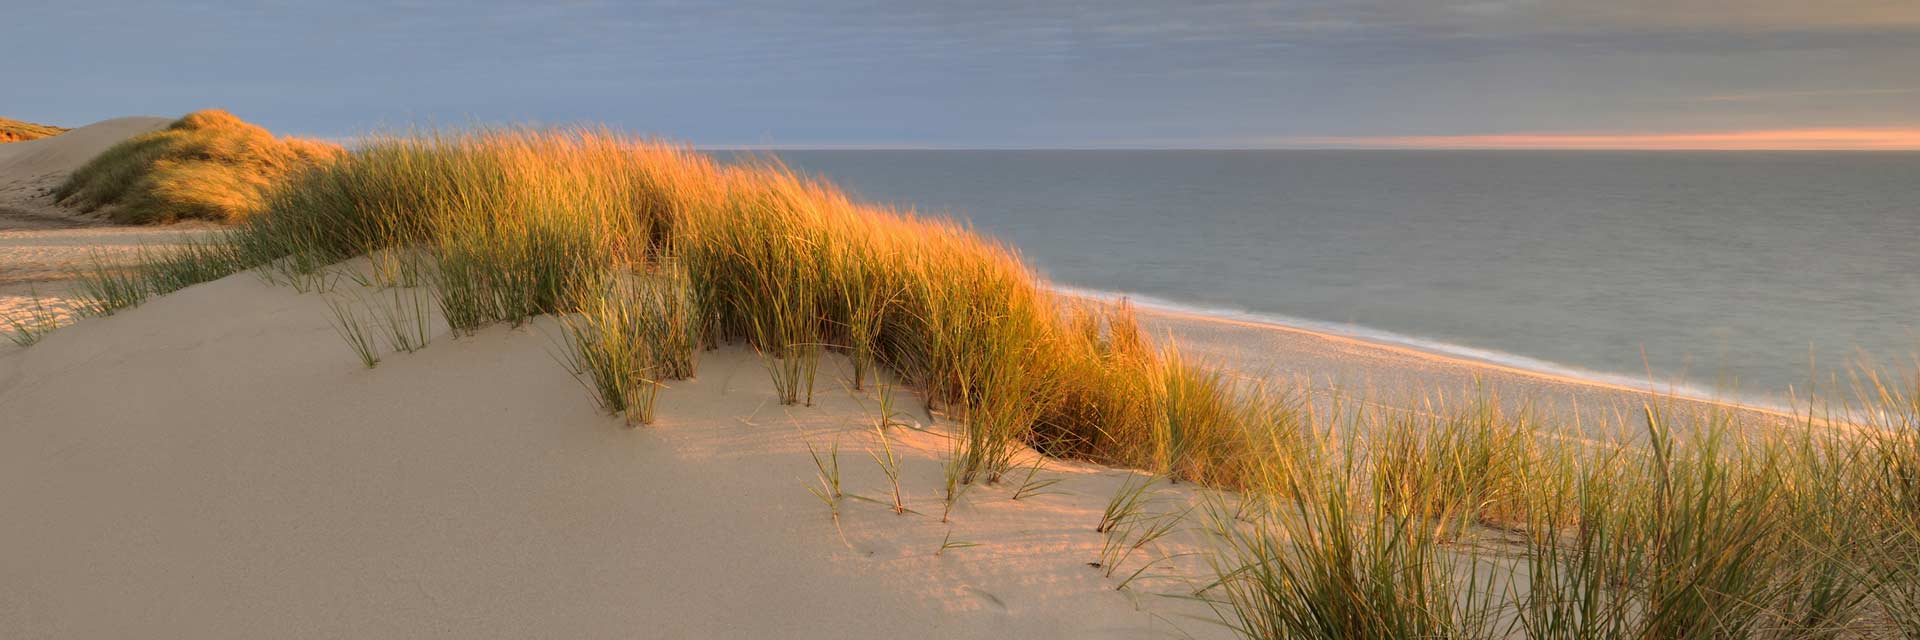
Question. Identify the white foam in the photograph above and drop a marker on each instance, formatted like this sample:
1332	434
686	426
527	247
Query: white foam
1429	345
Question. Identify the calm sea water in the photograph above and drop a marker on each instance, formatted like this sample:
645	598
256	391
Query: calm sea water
1730	272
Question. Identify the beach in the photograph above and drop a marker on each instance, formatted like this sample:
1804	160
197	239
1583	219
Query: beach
215	463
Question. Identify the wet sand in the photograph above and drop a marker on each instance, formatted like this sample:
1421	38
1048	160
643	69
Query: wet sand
1407	378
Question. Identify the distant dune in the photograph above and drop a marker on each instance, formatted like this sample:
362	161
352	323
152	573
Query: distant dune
40	246
15	130
207	165
69	150
30	169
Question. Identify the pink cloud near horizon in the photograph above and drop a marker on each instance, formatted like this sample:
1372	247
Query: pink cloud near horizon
1813	139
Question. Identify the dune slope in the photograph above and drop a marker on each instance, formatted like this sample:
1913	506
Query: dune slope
65	152
216	464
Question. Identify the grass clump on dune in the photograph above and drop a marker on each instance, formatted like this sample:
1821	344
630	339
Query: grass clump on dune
17	131
29	325
516	221
104	286
208	165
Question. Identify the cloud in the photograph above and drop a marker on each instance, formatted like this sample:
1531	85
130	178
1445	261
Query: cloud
987	73
1763	96
1848	139
1748	15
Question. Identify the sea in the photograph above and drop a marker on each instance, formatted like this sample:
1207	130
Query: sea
1745	275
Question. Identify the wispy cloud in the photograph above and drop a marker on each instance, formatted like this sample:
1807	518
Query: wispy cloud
1761	96
994	73
1832	139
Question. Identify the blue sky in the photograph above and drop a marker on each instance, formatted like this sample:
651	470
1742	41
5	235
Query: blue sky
1125	73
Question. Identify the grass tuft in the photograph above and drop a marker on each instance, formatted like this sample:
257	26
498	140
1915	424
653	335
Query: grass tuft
29	326
828	469
104	288
353	330
208	165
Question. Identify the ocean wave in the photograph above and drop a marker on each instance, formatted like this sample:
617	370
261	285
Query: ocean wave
1434	346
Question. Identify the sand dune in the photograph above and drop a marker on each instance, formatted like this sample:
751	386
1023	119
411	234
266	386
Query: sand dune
29	169
41	244
216	464
66	152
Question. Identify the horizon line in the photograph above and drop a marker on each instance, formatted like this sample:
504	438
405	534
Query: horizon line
856	147
1799	139
1862	139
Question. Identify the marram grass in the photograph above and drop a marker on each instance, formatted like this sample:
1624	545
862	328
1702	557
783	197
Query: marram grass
207	165
17	130
516	221
1356	521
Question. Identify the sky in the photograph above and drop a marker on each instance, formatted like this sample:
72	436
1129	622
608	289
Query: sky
1728	74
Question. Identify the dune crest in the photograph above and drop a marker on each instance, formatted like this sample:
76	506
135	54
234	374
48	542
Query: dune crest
63	153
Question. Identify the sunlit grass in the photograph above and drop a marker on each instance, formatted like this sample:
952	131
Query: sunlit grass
630	333
207	165
19	130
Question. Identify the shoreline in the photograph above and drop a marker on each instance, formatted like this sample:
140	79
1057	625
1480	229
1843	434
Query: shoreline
1269	349
1430	348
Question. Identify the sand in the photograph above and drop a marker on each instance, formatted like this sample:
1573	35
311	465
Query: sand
216	464
1407	378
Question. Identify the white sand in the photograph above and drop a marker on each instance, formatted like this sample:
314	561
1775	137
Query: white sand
216	464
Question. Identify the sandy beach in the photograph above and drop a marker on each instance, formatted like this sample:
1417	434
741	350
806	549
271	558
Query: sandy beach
215	464
1406	378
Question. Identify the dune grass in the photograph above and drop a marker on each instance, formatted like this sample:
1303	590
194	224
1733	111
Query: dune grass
27	326
105	286
18	131
514	221
208	165
629	334
1445	520
404	319
1462	522
353	329
827	470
